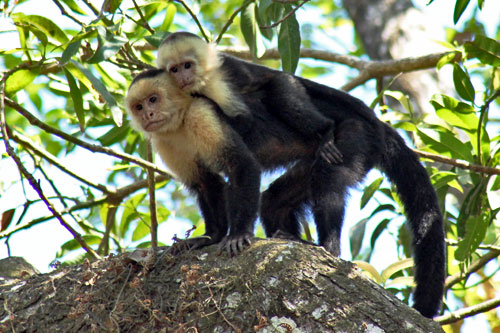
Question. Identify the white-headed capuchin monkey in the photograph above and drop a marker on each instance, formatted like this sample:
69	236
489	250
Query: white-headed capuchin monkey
198	68
198	147
201	143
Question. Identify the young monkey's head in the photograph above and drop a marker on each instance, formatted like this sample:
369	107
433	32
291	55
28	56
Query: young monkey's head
153	104
189	60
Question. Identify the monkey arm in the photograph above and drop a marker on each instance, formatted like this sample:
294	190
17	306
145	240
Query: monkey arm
242	195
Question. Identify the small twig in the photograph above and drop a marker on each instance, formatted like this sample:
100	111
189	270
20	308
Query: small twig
468	312
231	19
190	12
284	18
91	147
145	24
19	138
152	200
110	221
65	13
34	184
474	267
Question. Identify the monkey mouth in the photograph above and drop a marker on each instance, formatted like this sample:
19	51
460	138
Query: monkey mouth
155	125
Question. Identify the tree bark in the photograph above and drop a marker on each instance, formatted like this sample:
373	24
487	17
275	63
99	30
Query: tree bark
395	29
273	286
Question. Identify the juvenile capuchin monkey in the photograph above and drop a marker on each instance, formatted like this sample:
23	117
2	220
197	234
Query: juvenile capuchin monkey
198	68
196	140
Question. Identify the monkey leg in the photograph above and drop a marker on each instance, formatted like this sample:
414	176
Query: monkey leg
284	202
330	183
210	196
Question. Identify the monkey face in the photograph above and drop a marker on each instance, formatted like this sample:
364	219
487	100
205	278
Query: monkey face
150	108
184	74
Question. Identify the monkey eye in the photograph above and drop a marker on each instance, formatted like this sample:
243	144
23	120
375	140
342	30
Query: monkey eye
187	65
138	107
152	99
174	69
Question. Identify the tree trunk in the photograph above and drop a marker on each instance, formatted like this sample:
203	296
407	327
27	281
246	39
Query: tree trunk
394	29
274	286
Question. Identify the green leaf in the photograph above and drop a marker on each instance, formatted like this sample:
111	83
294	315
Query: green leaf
76	96
401	98
263	19
444	178
369	190
19	80
69	52
130	212
108	45
396	267
463	85
460	7
169	17
289	42
74	7
114	135
101	89
250	30
485	49
445	143
73	244
475	230
378	231
43	24
141	230
356	236
446	59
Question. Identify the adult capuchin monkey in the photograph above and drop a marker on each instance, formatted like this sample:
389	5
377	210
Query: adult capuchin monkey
198	68
195	139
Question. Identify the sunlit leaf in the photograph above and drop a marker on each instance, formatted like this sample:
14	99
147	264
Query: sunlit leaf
141	230
475	231
108	45
396	267
19	80
97	85
76	96
369	191
43	24
463	85
74	7
250	30
485	49
169	17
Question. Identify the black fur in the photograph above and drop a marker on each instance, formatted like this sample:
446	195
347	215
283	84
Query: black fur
364	142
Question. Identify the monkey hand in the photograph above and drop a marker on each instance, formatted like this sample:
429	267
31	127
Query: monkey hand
235	244
327	149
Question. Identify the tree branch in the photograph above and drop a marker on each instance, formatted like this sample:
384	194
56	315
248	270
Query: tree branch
474	267
468	312
459	163
91	147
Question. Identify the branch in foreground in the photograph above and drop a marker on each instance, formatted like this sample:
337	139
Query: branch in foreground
468	312
474	267
458	163
91	147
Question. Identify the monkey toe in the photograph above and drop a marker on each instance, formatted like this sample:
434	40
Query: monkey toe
330	153
235	244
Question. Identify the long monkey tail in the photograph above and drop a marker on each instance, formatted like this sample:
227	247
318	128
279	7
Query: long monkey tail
419	198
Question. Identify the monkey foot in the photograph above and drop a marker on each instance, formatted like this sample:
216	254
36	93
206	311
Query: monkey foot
184	245
235	244
280	234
